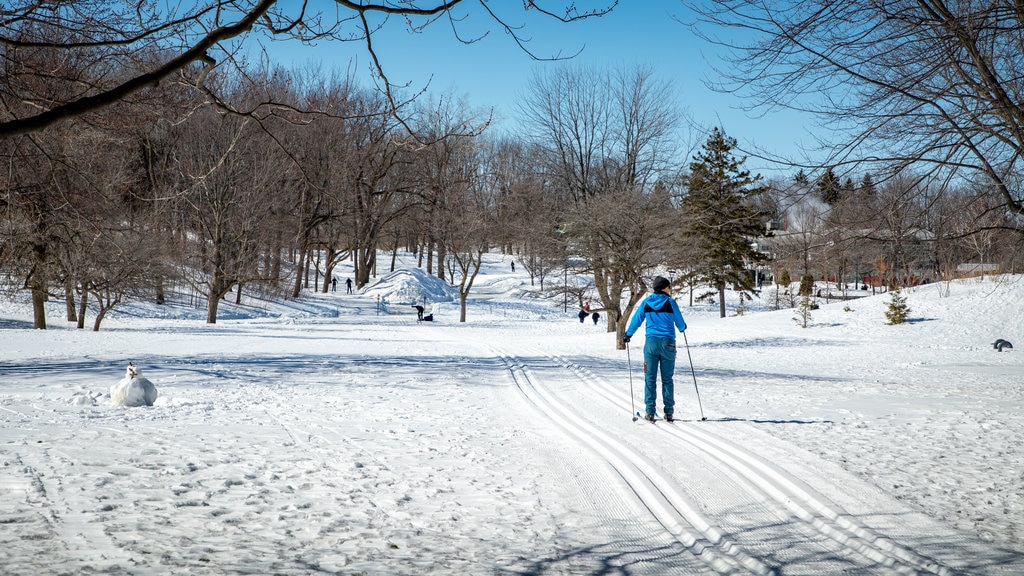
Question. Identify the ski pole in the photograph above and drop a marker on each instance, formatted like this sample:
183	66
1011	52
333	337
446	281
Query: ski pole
694	374
629	366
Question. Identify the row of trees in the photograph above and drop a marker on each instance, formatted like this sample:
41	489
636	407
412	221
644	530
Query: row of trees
902	231
173	190
134	159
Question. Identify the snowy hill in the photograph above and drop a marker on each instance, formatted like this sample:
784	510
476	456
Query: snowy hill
323	436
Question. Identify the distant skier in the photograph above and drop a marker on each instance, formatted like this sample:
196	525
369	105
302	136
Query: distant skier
662	315
582	316
596	317
348	284
334	284
513	266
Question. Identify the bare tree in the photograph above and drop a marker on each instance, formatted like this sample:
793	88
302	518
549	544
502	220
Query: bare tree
230	177
194	40
528	217
931	84
606	136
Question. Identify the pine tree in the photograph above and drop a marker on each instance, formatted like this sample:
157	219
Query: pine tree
867	186
898	310
829	189
803	312
721	219
806	285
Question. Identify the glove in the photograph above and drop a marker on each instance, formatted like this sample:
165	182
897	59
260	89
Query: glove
625	339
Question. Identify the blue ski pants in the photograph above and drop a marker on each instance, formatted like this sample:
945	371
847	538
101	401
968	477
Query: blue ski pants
659	355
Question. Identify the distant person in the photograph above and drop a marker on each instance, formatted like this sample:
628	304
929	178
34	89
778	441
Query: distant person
419	312
662	315
582	316
348	284
596	317
513	266
334	284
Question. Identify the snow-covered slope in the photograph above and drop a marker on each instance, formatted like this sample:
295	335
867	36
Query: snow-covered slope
323	436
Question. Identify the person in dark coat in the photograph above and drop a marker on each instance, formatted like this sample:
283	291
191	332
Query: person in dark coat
596	317
582	316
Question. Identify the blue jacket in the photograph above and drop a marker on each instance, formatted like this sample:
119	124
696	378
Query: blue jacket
661	313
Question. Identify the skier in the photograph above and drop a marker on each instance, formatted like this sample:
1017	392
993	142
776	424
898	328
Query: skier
582	316
662	315
348	285
596	317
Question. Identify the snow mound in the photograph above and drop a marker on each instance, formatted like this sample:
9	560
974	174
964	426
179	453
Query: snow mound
84	399
133	389
412	286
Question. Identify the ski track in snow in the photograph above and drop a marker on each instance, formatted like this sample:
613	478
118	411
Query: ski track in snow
828	540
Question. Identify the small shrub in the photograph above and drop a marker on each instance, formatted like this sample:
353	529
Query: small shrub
898	310
784	279
806	285
803	312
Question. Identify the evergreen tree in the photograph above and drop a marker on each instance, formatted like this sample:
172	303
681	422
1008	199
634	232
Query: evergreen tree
721	219
803	312
848	188
806	285
898	310
829	188
867	186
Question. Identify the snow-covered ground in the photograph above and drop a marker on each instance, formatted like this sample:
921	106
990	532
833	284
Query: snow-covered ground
322	436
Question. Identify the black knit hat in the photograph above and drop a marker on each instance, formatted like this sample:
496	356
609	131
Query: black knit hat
660	283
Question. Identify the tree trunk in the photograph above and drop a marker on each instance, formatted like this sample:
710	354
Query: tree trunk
69	300
160	298
38	307
442	253
721	300
212	303
84	306
297	288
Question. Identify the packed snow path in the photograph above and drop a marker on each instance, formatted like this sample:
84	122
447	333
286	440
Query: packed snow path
762	518
365	444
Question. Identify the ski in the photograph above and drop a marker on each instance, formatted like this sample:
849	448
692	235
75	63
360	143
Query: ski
640	417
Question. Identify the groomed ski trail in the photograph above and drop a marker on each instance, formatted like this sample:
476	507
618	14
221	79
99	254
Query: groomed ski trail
653	489
835	540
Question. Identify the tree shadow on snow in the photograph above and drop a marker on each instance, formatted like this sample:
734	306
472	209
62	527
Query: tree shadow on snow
773	342
784	545
223	369
769	421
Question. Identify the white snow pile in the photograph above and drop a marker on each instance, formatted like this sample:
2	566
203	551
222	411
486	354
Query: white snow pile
412	286
133	390
317	436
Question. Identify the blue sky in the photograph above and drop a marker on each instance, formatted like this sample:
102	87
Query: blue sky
493	71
